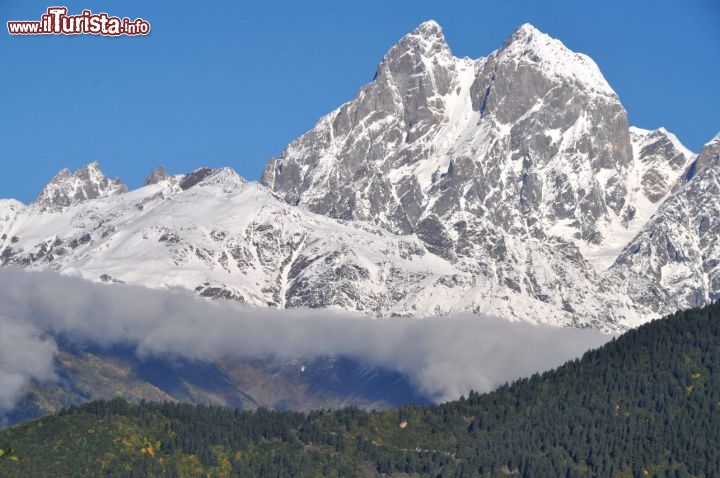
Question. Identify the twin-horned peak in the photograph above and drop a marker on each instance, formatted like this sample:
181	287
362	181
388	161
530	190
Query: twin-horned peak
519	167
519	135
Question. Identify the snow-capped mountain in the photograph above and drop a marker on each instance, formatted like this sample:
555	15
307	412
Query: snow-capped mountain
213	232
530	138
510	185
520	168
88	182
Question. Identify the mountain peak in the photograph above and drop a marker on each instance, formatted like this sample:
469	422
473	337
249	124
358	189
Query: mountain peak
642	137
526	30
224	177
427	40
714	141
93	166
91	172
530	45
527	37
429	29
157	175
63	173
88	182
708	157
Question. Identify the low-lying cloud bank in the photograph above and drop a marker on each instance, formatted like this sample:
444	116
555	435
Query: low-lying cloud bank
443	357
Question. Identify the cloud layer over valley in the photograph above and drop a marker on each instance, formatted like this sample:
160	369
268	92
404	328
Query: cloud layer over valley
443	357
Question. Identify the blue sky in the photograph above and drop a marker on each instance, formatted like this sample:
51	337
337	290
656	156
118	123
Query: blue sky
228	83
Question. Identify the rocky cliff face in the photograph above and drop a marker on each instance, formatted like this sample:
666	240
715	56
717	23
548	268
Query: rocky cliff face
157	175
709	157
674	261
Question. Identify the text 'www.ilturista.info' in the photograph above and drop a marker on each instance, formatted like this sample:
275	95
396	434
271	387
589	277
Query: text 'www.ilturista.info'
57	22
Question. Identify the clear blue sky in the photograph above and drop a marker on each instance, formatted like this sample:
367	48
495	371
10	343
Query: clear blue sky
230	83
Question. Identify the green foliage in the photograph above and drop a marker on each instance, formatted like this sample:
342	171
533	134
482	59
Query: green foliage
7	454
646	404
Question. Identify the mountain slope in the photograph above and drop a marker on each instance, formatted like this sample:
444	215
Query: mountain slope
215	233
92	373
223	237
643	405
674	261
519	168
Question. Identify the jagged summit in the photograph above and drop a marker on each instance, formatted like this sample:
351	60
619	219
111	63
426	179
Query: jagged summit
415	51
660	160
416	140
225	177
526	29
676	255
663	134
157	175
428	27
429	32
524	35
88	182
710	155
530	45
715	140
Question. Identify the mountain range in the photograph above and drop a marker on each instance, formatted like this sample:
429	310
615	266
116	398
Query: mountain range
510	185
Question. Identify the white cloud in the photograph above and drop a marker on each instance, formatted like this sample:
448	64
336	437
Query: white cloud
24	356
443	357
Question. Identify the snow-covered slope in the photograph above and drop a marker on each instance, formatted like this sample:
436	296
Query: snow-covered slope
213	232
674	261
659	163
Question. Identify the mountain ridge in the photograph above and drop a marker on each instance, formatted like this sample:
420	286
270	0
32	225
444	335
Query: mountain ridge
68	188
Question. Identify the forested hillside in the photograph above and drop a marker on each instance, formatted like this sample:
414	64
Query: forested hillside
646	404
